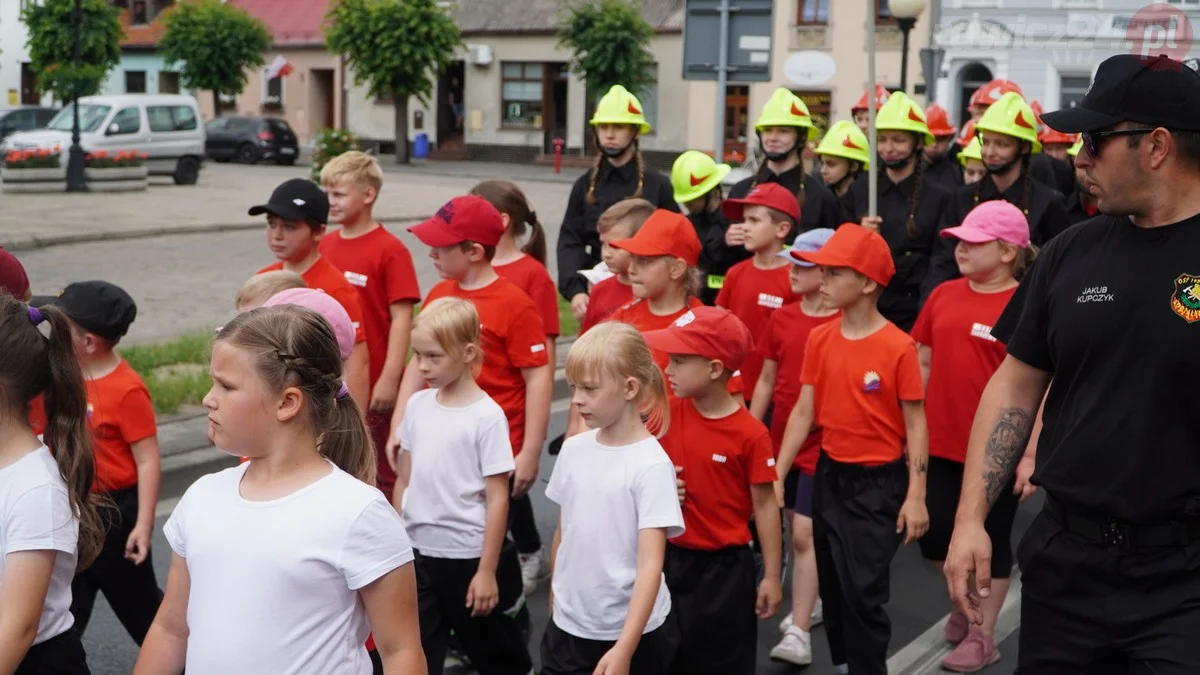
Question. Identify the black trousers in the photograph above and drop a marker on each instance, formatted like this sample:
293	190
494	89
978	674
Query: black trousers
854	532
494	643
713	625
131	590
1095	610
522	524
565	654
60	655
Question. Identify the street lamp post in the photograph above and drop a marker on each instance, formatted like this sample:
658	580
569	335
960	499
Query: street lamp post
906	13
75	177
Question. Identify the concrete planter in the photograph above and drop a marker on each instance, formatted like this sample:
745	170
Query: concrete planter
33	180
117	179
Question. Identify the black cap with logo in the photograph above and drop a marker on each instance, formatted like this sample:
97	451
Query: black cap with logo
97	307
1158	91
296	199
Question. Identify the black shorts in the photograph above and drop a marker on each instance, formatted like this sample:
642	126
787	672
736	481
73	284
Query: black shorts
944	484
713	624
798	492
60	655
566	654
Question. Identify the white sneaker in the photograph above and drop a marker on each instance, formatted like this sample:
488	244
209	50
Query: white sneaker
818	613
533	569
795	648
785	624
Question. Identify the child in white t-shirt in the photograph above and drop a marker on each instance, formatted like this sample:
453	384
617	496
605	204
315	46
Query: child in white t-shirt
617	490
47	526
284	564
452	490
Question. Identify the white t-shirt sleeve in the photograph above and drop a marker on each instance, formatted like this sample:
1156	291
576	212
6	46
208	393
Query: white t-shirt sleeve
175	526
495	448
658	499
404	432
40	520
376	545
556	489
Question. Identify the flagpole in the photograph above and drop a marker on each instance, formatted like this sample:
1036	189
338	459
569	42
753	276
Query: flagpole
872	143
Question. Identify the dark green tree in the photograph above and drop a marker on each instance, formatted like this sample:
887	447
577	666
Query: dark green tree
610	44
214	45
397	48
51	46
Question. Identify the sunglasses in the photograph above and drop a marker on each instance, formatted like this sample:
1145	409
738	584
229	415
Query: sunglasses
1091	139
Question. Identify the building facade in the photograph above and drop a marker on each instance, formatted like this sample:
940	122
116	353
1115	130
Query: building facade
141	69
17	79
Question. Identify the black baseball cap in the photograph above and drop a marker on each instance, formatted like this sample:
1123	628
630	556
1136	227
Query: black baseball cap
97	307
296	199
1157	91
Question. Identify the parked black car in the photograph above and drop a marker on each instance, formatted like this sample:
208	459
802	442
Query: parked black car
250	139
24	118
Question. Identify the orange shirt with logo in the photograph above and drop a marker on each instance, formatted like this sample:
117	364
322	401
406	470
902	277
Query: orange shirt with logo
380	267
604	300
753	295
513	338
721	459
324	276
858	389
531	276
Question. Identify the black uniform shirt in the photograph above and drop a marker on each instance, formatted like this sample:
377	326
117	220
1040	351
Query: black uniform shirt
578	241
1046	214
946	172
715	257
820	208
1112	311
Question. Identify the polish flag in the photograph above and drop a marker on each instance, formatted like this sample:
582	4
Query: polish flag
279	68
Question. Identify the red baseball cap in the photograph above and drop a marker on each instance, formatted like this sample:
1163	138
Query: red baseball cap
466	218
858	248
12	276
712	332
770	195
664	233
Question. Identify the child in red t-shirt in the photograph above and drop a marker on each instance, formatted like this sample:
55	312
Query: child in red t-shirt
781	347
296	216
861	384
725	460
754	288
958	356
375	262
620	221
516	372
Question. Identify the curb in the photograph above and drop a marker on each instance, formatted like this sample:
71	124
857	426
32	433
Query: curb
37	243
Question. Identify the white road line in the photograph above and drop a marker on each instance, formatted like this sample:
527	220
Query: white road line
923	655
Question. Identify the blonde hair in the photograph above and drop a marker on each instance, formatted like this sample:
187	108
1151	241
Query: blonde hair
1025	258
260	287
353	167
616	349
629	212
455	324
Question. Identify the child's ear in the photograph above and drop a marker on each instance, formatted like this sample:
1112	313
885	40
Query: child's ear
369	195
631	389
291	401
1008	252
715	369
678	268
782	228
870	286
470	352
506	219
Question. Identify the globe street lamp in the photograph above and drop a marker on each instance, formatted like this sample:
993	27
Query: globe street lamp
75	177
906	13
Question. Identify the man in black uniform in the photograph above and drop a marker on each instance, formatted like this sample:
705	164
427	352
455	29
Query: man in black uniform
1110	321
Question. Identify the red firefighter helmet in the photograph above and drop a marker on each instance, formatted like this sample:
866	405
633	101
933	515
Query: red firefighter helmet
968	133
881	97
992	91
939	121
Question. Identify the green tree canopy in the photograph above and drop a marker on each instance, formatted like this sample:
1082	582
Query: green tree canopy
51	46
397	48
610	44
214	45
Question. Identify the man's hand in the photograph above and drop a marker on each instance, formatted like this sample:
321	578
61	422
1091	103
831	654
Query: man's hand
579	305
872	223
913	520
525	474
383	398
137	546
483	594
1023	488
968	569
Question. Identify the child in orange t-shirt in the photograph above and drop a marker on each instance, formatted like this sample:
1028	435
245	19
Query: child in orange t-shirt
781	346
620	221
725	460
861	383
296	216
754	288
375	262
125	443
462	237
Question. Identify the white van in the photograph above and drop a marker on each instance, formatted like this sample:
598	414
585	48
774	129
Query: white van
164	126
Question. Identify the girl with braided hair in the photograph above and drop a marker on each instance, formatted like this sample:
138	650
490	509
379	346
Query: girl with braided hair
1009	143
619	173
910	210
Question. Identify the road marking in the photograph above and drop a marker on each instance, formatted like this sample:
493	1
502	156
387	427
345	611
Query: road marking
165	507
924	654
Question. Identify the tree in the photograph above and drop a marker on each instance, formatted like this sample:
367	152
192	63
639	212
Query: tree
215	45
397	48
52	49
610	44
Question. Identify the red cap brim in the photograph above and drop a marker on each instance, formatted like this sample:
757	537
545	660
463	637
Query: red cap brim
669	342
434	233
634	247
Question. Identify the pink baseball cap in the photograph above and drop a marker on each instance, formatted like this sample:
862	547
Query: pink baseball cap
324	304
996	220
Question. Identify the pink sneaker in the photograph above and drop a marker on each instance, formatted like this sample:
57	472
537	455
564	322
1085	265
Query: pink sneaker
956	628
976	652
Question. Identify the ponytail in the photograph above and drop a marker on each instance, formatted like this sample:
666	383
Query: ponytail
536	246
1027	189
641	170
910	225
617	349
345	440
510	200
593	176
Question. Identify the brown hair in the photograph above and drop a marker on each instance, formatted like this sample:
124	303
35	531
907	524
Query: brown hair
632	212
454	323
509	199
260	287
617	349
32	364
489	252
295	347
1024	259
